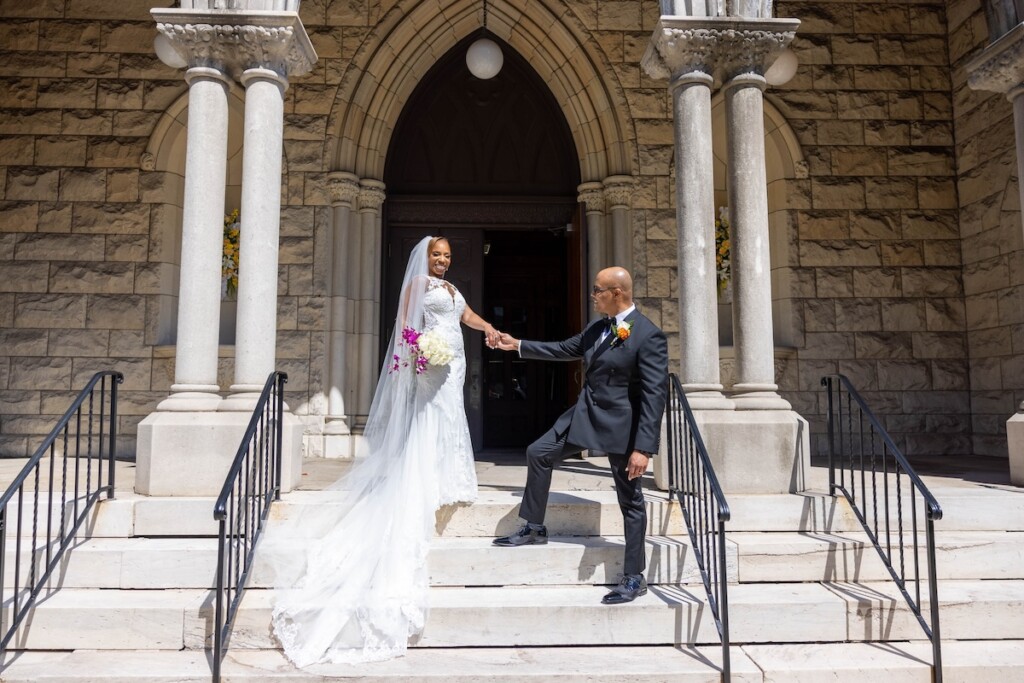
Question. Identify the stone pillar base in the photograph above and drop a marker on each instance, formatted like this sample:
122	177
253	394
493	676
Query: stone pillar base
1015	441
188	454
752	451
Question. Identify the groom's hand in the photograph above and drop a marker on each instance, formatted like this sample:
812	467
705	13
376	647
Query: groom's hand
507	342
637	465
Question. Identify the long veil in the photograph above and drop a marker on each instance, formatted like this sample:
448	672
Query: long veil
350	570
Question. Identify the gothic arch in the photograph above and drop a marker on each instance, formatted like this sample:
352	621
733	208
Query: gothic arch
414	34
784	161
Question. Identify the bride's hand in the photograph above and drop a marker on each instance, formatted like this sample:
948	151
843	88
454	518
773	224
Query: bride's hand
491	336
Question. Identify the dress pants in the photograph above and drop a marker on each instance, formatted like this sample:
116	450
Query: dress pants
544	453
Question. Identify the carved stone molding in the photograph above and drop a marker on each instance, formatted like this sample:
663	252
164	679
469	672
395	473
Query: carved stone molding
722	47
591	195
455	212
233	42
371	195
343	188
618	191
1000	66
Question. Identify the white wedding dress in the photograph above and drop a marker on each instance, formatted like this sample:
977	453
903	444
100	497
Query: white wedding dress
364	591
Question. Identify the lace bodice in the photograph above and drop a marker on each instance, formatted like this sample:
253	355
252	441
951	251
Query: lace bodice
443	310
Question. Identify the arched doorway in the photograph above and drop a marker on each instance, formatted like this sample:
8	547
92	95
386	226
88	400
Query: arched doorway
492	165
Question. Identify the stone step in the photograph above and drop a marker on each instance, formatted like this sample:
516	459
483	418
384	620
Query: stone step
752	558
461	665
150	563
547	616
978	661
569	513
582	513
850	556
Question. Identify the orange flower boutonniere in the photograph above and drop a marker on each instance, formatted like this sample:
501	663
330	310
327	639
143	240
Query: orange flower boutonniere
621	332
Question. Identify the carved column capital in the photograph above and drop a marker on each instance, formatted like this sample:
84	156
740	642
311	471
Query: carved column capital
371	195
591	195
234	42
618	191
1000	66
343	188
721	47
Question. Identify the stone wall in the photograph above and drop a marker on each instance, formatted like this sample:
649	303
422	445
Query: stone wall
877	240
874	250
992	246
81	94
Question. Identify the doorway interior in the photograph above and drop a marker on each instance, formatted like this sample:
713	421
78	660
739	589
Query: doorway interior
491	165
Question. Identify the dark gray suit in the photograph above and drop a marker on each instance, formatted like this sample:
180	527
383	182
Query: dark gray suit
619	410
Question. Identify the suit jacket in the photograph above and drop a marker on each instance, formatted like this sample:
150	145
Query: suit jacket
625	387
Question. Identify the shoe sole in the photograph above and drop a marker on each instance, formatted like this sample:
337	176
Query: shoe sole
643	591
517	545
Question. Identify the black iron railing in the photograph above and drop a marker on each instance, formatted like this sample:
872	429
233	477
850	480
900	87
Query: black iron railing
42	510
252	484
693	482
885	493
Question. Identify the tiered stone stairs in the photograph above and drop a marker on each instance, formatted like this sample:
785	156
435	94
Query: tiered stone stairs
809	600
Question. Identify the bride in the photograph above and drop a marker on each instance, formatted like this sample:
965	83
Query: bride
364	589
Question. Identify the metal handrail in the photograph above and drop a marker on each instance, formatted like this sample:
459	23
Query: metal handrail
857	436
252	484
693	482
48	544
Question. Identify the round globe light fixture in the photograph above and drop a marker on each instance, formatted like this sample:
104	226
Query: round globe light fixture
484	59
784	68
166	52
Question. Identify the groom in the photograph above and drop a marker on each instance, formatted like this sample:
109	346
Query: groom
618	412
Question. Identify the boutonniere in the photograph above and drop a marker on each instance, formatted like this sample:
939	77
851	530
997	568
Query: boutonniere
621	332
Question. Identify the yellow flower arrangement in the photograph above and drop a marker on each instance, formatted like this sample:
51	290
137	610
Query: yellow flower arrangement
229	263
723	245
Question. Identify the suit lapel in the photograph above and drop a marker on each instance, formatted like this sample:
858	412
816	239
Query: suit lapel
607	343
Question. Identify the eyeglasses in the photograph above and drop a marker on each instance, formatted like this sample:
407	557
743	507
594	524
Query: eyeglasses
597	290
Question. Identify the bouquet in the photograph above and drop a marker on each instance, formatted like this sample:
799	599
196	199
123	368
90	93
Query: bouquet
423	348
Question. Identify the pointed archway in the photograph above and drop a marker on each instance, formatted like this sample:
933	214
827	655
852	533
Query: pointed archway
492	166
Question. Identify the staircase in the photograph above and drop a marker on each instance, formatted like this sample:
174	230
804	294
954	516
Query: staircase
809	599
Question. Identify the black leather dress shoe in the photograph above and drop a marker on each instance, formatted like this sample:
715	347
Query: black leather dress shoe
525	536
631	587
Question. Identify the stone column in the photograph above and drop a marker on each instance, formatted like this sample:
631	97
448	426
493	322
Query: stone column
677	54
344	191
591	195
367	288
186	447
618	195
765	451
1000	68
195	358
753	336
256	322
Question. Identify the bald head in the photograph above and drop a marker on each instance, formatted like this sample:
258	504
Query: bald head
613	290
618	277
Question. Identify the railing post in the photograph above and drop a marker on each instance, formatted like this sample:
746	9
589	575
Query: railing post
831	441
724	603
114	381
278	424
933	597
218	635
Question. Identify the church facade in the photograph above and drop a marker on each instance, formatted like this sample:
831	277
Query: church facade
892	233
